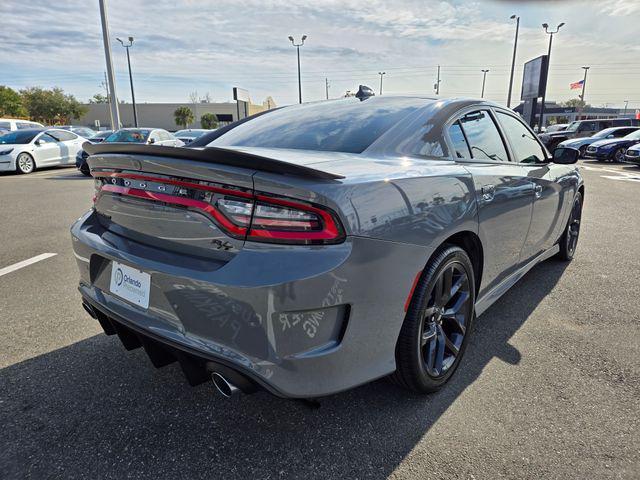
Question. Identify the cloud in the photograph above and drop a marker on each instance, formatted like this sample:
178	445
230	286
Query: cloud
181	46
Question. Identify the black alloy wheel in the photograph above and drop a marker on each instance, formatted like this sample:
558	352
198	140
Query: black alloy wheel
618	156
435	331
444	323
569	240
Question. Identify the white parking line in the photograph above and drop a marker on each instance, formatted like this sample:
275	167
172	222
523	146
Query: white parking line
25	263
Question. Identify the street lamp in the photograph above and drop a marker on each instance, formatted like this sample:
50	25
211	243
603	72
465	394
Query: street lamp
626	103
484	79
381	74
133	96
584	83
513	60
544	94
298	45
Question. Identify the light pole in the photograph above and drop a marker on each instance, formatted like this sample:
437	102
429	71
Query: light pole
544	94
298	45
115	112
626	103
436	86
513	60
584	83
484	79
133	97
381	74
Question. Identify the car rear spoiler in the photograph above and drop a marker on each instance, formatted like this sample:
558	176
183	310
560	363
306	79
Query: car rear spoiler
225	156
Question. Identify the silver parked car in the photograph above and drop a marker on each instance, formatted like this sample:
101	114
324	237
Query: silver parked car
320	246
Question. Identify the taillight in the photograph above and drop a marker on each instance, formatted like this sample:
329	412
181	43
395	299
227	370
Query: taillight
260	217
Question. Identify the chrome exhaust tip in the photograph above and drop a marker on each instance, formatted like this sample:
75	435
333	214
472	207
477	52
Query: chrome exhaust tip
224	386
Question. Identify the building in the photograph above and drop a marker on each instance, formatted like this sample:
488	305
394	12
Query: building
555	113
160	115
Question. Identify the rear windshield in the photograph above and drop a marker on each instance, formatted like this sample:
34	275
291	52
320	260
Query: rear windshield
348	125
129	136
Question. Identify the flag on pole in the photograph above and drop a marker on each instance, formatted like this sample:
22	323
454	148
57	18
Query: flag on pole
576	85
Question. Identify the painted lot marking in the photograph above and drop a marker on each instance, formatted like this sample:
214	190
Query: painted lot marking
26	263
619	174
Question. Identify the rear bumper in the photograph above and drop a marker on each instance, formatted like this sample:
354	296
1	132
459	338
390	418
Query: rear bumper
299	321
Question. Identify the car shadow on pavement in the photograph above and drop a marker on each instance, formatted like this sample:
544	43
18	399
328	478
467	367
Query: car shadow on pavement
93	410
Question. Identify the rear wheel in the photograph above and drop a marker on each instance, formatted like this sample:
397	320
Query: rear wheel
436	328
25	163
84	169
569	239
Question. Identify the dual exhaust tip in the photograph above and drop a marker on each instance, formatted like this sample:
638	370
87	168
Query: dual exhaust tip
224	386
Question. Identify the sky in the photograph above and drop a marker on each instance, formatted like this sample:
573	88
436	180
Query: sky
182	46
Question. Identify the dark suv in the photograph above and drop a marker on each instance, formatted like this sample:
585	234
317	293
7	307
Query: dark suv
583	128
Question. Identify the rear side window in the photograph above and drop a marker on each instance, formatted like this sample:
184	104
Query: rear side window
23	125
483	136
460	145
6	125
62	135
525	146
349	125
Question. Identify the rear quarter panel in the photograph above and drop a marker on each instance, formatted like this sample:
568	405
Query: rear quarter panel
410	201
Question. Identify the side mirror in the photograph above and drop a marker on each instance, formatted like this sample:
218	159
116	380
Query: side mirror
152	140
39	142
565	156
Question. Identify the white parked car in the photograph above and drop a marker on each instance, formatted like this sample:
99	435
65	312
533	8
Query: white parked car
25	150
13	124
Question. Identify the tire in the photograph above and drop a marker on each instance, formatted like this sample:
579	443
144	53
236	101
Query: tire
618	155
583	151
569	240
25	163
435	331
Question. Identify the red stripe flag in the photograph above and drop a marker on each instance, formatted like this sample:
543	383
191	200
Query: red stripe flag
576	85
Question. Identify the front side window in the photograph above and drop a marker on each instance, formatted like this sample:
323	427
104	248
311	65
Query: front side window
483	136
47	138
623	132
525	146
460	145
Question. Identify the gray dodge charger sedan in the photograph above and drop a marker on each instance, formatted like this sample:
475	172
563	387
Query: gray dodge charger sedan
320	246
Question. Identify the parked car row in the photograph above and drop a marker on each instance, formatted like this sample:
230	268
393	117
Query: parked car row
583	128
24	149
148	136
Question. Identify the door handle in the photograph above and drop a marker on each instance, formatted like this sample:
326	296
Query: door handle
538	191
488	192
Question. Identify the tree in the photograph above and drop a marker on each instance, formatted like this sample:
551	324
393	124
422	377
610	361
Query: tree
209	120
193	97
11	103
51	106
99	98
183	116
575	103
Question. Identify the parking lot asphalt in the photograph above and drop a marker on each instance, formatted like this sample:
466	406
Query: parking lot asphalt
549	386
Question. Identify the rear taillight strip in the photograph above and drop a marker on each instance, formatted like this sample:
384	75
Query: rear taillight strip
178	183
331	231
184	202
